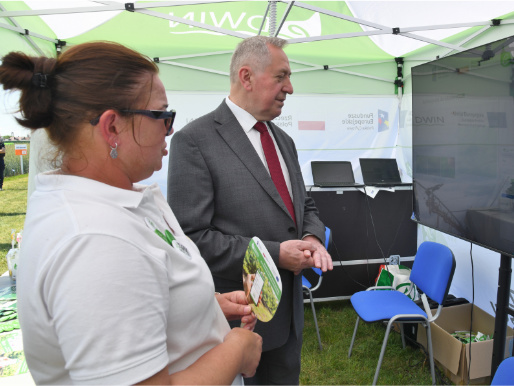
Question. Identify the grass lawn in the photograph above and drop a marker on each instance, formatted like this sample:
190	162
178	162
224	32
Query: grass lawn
331	366
336	320
13	206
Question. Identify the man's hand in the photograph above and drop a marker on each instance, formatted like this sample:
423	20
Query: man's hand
322	258
297	255
235	306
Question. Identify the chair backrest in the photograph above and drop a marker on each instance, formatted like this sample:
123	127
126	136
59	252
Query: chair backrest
328	238
505	373
433	269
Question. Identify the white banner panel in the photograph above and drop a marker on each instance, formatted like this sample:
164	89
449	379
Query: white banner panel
324	127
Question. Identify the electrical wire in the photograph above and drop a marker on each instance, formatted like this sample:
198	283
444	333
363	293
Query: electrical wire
343	268
376	237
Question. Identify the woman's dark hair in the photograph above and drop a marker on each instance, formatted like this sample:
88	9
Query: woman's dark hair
61	94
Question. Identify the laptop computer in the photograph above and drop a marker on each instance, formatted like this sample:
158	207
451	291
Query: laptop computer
381	172
328	174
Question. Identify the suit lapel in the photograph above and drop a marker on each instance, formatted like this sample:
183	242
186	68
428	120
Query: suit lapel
235	137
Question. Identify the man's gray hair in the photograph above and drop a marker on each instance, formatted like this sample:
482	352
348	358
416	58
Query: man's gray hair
253	52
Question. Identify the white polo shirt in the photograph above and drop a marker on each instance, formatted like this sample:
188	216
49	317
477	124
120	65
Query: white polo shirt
102	297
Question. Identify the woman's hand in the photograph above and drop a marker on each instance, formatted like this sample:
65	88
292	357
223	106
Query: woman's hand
235	306
252	348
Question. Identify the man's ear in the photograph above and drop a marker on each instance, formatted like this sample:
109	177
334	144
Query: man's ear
109	125
246	77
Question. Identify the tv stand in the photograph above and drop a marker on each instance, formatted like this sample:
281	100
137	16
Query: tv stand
502	312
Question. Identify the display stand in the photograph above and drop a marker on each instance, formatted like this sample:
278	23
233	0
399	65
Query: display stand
502	312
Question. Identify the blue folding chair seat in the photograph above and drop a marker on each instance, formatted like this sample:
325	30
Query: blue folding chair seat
432	272
504	374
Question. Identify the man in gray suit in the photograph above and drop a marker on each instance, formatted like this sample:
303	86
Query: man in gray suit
220	189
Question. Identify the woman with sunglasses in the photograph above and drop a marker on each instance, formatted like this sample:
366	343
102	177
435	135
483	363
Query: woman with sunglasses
110	290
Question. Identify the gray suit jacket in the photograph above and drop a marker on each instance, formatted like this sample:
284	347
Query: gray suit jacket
223	195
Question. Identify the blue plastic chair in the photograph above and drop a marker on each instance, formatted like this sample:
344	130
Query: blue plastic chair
308	289
504	374
432	272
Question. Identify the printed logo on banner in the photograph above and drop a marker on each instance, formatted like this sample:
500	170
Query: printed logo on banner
245	23
383	120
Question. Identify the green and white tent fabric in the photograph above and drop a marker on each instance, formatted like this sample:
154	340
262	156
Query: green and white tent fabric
350	60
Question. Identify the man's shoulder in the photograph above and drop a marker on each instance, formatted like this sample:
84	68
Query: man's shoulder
199	123
205	121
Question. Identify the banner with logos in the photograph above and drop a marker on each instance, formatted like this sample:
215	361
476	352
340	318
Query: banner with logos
324	127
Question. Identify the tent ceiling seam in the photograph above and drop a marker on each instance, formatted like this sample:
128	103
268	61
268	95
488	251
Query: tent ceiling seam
364	75
432	41
195	68
341	16
108	6
315	68
468	39
340	65
337	36
195	55
447	26
22	31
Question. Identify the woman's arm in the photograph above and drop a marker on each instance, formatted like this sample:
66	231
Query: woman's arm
239	353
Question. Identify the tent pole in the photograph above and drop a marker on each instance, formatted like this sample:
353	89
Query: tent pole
272	17
284	17
263	19
29	39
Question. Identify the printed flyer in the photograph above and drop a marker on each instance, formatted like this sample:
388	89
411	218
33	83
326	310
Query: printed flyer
261	280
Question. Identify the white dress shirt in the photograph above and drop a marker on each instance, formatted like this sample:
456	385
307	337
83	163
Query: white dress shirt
247	122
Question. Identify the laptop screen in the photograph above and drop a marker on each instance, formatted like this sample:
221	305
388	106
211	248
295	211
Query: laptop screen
334	173
380	171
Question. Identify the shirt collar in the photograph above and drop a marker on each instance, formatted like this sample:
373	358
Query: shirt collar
245	119
52	180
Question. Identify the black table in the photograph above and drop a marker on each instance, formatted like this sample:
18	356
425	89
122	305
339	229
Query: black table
365	233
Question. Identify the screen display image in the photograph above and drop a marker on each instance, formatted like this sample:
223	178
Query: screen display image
463	145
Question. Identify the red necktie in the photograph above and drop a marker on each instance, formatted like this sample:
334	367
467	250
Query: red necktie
274	166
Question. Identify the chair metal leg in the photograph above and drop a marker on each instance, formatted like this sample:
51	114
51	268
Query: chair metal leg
430	352
315	319
402	333
382	352
353	337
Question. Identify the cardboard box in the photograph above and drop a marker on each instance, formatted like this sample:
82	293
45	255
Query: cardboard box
452	354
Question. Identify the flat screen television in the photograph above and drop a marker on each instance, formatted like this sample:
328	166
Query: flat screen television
463	145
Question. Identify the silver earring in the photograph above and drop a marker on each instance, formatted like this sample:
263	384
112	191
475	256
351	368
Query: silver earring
114	151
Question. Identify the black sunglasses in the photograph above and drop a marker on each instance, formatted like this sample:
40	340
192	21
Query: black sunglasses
168	116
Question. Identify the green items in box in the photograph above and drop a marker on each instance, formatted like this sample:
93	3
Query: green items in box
465	336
